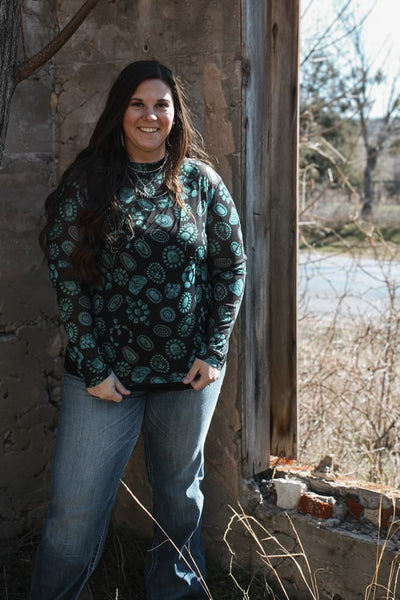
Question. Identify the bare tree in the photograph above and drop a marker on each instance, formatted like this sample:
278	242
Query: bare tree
363	77
339	81
9	30
13	72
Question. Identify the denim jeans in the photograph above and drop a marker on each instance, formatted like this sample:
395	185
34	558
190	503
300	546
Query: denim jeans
94	442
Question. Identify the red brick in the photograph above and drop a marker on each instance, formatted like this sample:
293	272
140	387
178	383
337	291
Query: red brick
355	508
387	516
312	505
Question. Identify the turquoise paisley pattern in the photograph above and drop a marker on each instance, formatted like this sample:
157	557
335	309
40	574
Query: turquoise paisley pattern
167	295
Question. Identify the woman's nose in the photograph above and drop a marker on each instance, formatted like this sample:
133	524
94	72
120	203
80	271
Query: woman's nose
150	113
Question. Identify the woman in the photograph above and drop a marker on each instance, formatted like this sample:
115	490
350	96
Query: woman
145	252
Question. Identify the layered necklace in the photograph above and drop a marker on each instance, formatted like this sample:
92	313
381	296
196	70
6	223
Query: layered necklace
149	187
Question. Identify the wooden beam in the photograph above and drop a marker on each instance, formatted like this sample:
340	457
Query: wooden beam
268	320
255	375
282	75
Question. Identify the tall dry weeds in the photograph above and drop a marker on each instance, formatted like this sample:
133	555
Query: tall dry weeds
349	368
271	553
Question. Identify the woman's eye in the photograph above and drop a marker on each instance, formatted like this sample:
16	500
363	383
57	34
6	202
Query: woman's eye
160	105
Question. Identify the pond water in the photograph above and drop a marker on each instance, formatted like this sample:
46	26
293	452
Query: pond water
359	287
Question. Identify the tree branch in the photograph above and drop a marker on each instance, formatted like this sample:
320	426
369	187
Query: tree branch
26	68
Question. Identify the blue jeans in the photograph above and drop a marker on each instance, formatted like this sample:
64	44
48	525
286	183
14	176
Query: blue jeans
94	442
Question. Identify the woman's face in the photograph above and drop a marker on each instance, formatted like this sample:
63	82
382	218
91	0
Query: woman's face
148	120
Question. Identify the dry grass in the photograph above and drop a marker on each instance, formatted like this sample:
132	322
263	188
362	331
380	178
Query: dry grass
119	575
274	558
271	553
349	370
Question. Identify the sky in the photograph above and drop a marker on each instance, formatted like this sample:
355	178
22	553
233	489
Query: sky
381	34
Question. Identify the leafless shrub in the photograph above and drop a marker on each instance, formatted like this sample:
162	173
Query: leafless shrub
271	553
349	368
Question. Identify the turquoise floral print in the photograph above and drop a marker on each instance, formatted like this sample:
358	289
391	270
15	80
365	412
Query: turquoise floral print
169	293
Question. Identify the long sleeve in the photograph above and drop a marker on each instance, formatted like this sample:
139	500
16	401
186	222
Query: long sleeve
227	270
167	294
74	301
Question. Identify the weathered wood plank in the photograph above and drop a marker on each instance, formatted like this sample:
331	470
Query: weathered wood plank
282	70
268	371
255	376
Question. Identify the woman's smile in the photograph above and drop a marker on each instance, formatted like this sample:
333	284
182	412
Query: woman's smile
148	121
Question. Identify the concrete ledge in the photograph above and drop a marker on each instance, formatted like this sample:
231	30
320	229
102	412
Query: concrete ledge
313	529
325	496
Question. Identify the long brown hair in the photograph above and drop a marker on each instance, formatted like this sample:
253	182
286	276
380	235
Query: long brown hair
103	165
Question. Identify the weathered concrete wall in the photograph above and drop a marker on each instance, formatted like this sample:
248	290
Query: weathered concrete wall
30	337
52	116
309	529
343	563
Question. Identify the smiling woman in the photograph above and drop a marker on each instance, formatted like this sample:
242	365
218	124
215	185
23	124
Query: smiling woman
145	251
148	121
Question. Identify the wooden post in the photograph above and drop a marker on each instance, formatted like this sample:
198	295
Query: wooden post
270	125
282	70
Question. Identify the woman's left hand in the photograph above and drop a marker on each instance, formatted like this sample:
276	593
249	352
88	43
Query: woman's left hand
201	374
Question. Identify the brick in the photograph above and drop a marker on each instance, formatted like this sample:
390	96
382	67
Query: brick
319	507
355	508
387	516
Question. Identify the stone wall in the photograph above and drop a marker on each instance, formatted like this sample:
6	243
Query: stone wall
52	116
31	340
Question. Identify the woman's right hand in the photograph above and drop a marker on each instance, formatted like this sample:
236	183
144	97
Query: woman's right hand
109	389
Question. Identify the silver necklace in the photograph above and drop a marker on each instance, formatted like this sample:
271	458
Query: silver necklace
148	189
149	170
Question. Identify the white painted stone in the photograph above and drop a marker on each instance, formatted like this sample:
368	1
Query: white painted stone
288	492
